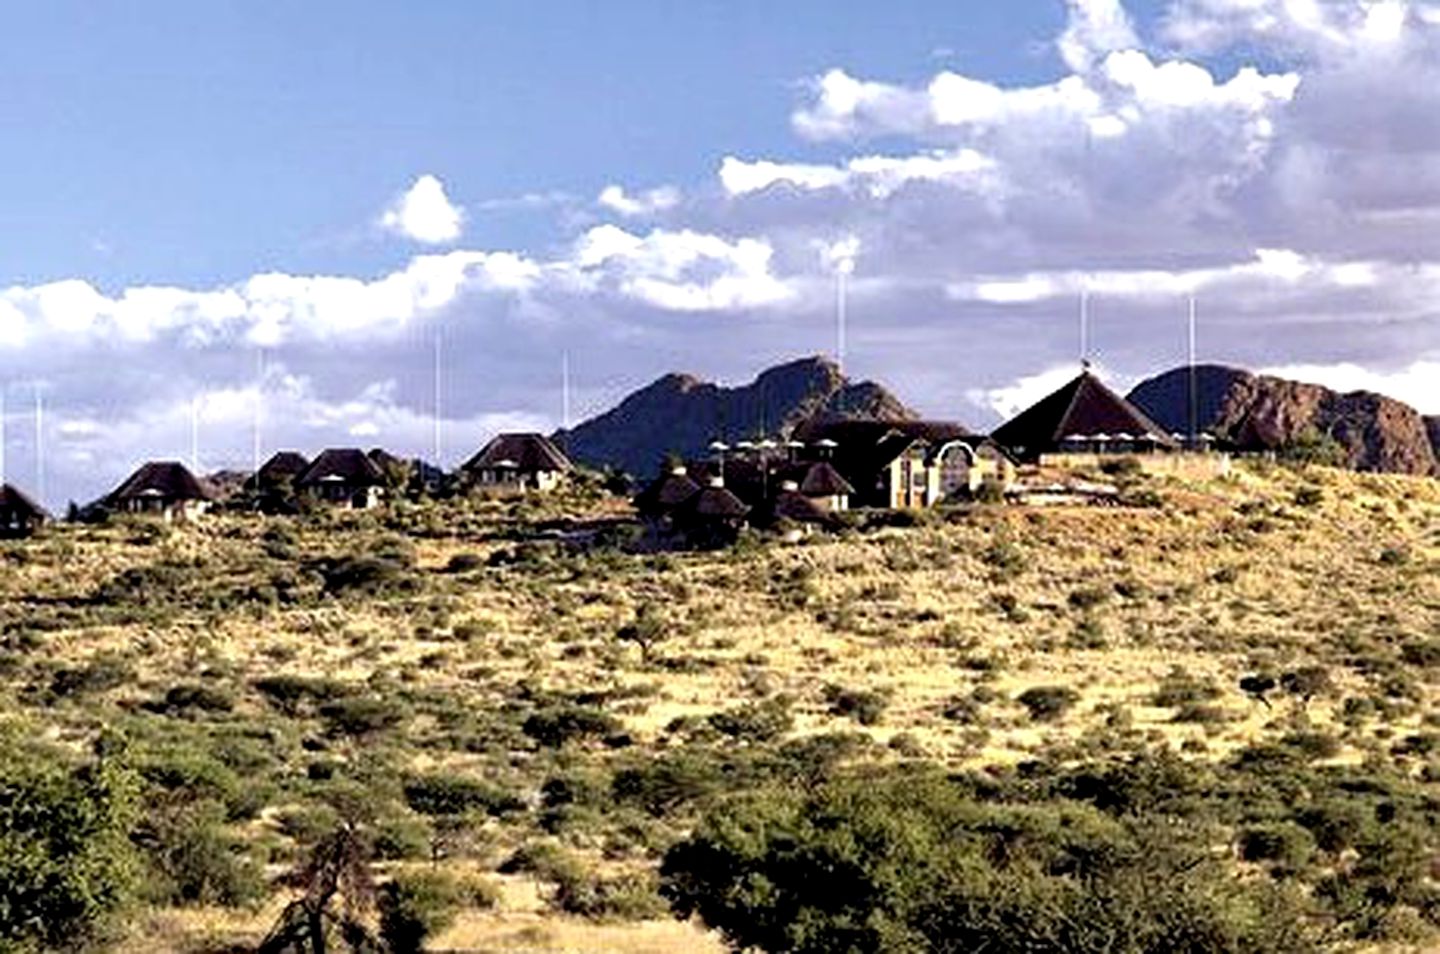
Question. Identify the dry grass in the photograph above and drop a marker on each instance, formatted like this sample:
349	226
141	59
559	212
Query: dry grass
1230	577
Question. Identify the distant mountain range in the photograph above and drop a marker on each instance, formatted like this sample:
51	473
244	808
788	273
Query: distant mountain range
1260	411
682	414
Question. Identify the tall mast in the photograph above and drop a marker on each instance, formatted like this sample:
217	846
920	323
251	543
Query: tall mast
2	435
1084	328
39	443
565	390
1194	385
195	435
255	423
435	447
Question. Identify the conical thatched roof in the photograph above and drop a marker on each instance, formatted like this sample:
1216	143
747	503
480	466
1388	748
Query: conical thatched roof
526	453
282	466
167	480
713	503
1083	409
667	492
347	465
16	502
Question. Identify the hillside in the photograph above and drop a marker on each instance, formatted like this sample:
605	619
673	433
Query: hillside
681	414
1253	411
542	725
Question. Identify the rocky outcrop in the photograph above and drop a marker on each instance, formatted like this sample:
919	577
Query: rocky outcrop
682	414
1260	412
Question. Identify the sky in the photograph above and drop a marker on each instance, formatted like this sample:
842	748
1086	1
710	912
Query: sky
222	215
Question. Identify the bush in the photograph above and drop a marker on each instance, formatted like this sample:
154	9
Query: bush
553	726
903	861
67	865
865	706
763	721
195	860
1048	703
362	715
414	907
459	795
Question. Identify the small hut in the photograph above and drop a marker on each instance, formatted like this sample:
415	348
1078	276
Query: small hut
19	515
658	502
279	471
345	477
713	516
518	462
165	489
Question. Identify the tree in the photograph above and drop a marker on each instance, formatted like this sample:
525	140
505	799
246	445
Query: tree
646	630
901	861
336	892
416	907
66	861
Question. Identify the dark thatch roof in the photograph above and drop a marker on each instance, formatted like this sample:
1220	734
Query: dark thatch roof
167	480
794	506
821	479
527	453
347	465
1083	408
713	503
282	466
17	503
666	493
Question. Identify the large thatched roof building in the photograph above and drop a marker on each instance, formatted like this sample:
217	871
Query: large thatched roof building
164	488
518	462
344	476
1084	416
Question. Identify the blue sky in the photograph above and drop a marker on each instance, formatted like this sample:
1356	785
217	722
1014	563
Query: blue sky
658	186
202	142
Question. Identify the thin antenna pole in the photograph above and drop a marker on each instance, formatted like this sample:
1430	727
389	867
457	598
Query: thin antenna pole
258	410
1194	383
195	434
565	390
2	436
435	423
39	443
841	281
1084	328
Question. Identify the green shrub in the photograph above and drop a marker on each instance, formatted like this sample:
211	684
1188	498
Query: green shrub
905	861
762	721
362	715
67	865
459	795
865	706
194	859
553	726
414	907
1048	703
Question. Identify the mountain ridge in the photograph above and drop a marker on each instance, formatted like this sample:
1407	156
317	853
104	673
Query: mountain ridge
1264	412
681	413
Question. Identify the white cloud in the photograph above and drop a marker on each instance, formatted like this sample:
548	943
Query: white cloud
424	213
649	202
1417	384
684	271
877	176
1010	399
1094	28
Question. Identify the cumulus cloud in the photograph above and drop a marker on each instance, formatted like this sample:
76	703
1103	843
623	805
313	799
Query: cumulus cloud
1094	28
648	202
424	213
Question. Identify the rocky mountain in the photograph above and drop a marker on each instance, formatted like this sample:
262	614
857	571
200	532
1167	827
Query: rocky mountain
1260	412
682	414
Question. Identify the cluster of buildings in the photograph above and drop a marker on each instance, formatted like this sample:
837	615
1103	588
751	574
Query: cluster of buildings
822	469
